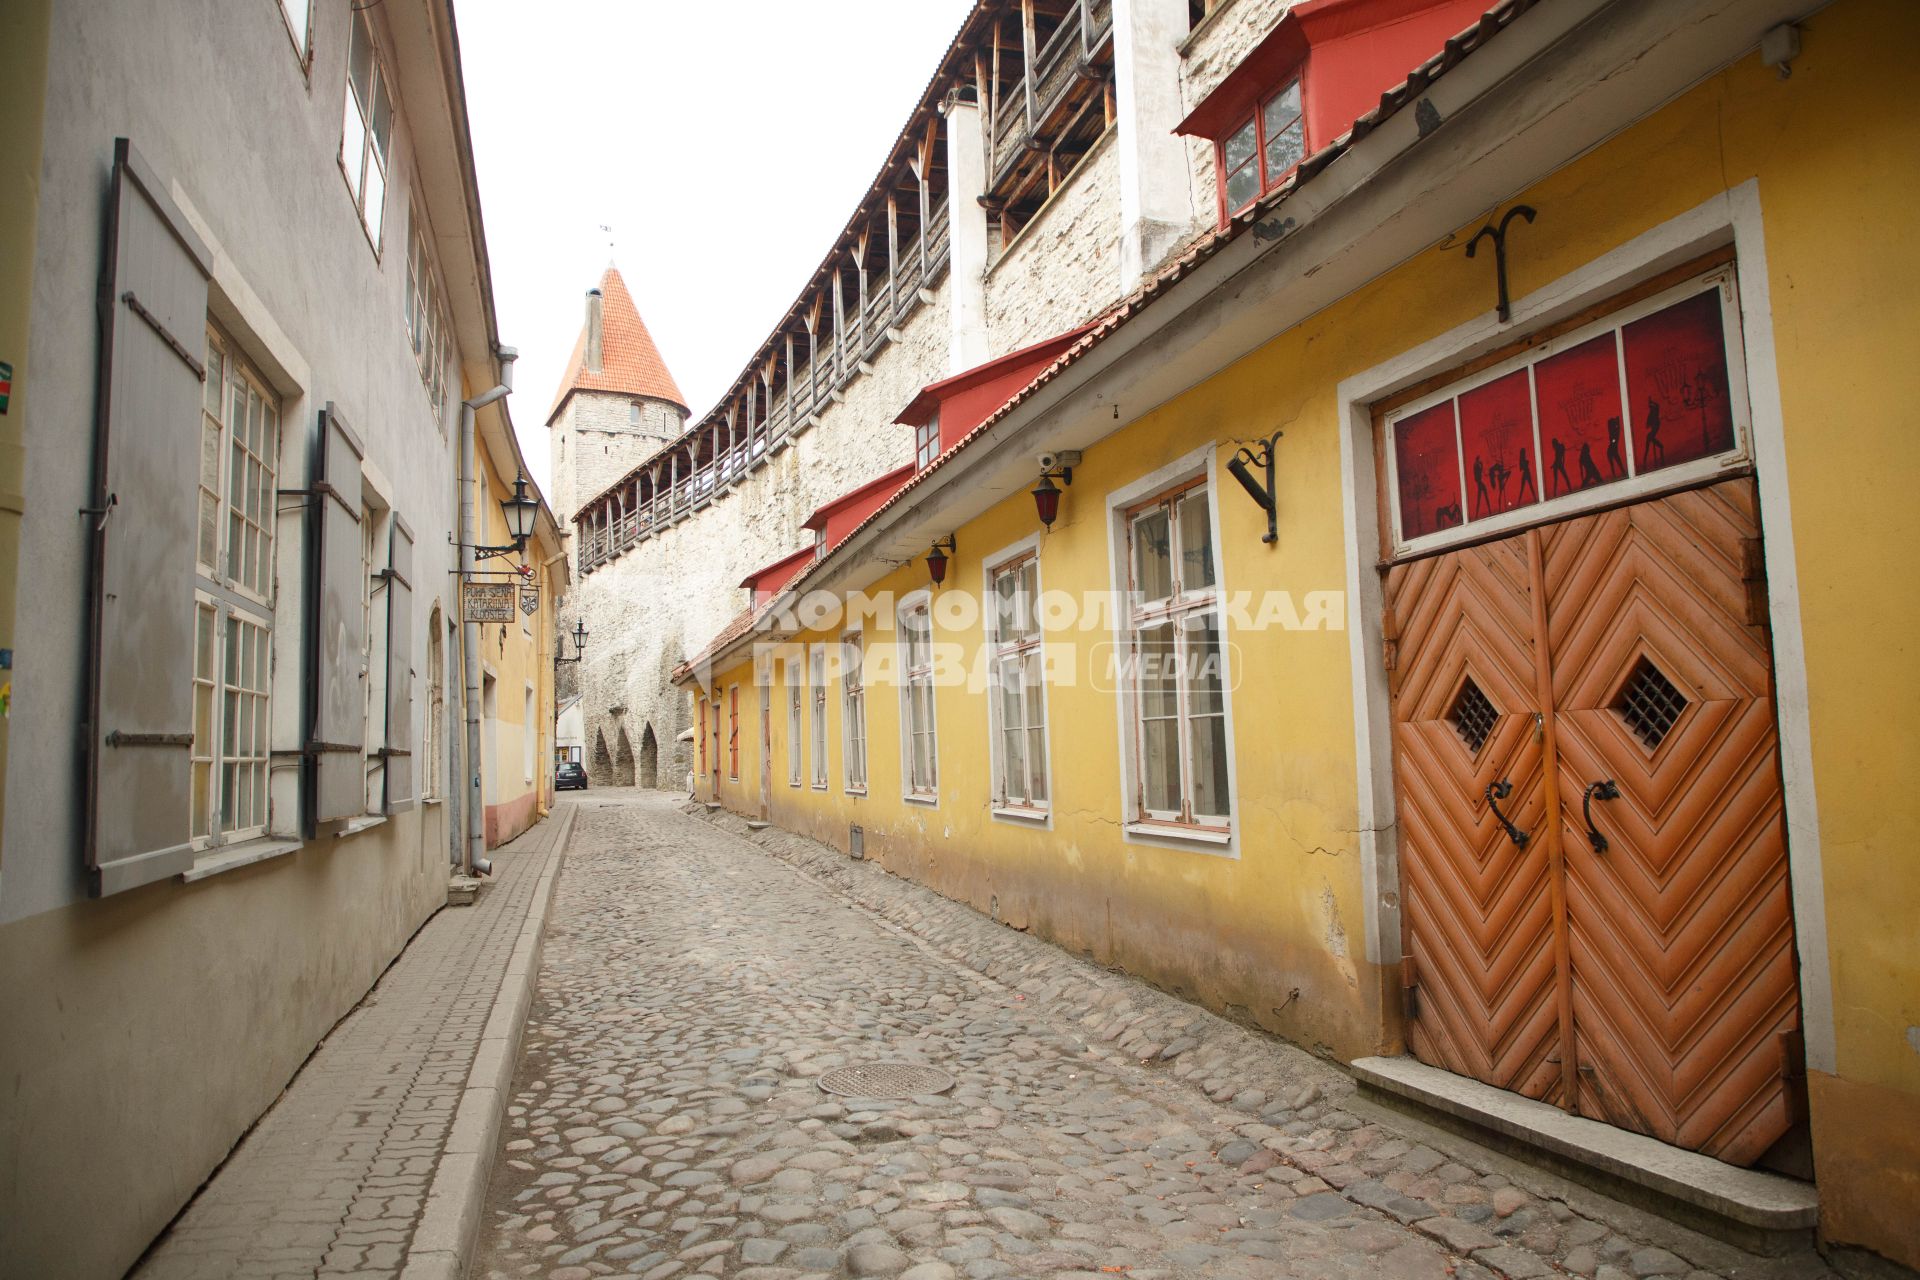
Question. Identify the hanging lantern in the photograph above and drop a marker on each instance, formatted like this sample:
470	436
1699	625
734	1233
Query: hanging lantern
1046	500
937	559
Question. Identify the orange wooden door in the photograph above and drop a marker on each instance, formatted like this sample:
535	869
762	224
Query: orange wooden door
1684	990
1479	910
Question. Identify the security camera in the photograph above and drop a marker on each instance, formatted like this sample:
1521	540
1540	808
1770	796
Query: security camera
1053	460
1048	461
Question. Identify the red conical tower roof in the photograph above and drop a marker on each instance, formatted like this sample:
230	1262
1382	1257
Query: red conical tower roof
629	362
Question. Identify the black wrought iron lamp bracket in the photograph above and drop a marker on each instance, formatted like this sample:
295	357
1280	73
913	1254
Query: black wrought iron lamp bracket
1259	454
1497	232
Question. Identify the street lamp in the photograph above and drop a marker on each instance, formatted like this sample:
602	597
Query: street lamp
579	643
520	510
937	558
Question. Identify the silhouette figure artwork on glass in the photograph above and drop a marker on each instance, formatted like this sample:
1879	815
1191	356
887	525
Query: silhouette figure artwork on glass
1559	480
1650	445
1496	421
1677	367
1615	463
1526	480
1589	473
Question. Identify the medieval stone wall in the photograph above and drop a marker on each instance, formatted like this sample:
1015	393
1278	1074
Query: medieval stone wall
659	602
1064	267
596	441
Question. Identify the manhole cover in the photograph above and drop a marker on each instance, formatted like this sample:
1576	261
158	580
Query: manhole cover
885	1080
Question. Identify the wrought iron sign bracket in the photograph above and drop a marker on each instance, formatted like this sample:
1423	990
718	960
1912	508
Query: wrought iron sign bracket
1497	232
1259	454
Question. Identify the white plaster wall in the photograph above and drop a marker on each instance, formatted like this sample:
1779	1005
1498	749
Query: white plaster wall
1064	266
146	1031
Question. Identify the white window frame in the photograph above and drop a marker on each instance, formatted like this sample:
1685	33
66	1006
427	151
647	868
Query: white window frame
817	693
1027	651
233	606
926	442
376	523
1197	470
429	331
362	152
853	714
796	716
913	789
529	730
300	30
1634	485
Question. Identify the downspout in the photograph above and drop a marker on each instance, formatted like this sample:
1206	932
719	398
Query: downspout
553	686
475	860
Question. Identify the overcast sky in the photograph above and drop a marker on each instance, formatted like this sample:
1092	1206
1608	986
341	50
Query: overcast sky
725	145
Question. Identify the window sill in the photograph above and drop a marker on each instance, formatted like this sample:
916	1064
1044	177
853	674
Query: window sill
931	802
860	792
1028	817
234	856
1209	841
354	826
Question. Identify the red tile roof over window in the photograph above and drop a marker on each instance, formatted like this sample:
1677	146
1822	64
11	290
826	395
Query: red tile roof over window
630	363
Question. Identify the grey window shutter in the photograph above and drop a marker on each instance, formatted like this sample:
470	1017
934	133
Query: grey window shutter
336	745
399	749
140	528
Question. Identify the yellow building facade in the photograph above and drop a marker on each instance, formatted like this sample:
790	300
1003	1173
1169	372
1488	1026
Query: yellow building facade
517	712
1787	196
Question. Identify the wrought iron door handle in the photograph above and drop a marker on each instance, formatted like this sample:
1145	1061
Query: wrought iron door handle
1497	791
1605	790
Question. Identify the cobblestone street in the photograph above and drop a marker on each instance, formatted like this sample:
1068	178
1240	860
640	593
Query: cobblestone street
667	1118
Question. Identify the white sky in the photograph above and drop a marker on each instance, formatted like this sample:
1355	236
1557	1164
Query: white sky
725	145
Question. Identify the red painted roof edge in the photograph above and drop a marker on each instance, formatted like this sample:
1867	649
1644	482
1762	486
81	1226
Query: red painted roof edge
781	563
933	392
820	513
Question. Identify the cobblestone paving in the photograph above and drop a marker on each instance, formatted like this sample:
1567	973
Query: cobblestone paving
331	1181
667	1119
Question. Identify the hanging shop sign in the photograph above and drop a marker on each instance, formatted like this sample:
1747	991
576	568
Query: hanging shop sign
489	602
529	600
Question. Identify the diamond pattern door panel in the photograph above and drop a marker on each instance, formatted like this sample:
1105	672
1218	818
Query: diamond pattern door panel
1681	930
1478	911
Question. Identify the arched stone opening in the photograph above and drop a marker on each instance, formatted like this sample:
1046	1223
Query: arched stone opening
600	768
623	760
649	759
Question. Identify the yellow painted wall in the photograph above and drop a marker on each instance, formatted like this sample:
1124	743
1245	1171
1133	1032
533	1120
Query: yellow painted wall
1833	150
516	654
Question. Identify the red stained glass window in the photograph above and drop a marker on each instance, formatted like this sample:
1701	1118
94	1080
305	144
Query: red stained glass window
1581	433
1497	446
1427	464
1677	383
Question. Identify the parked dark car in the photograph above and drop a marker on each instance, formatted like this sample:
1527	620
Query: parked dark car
570	777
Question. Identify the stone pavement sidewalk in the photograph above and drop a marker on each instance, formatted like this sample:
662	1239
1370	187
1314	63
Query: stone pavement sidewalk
669	1121
374	1160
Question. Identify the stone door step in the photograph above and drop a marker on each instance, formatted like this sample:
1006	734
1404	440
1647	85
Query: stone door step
1746	1206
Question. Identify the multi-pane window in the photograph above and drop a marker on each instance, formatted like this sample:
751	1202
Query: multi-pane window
1017	700
1263	150
377	598
853	714
795	750
919	748
818	685
1176	664
702	708
367	137
926	441
427	325
233	587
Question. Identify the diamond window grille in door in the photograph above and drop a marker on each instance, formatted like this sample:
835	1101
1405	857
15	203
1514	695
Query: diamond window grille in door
1649	703
1472	715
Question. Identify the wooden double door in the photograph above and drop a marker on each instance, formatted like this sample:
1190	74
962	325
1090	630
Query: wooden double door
1592	838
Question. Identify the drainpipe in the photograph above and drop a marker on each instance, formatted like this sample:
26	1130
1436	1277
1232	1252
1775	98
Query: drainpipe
476	848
